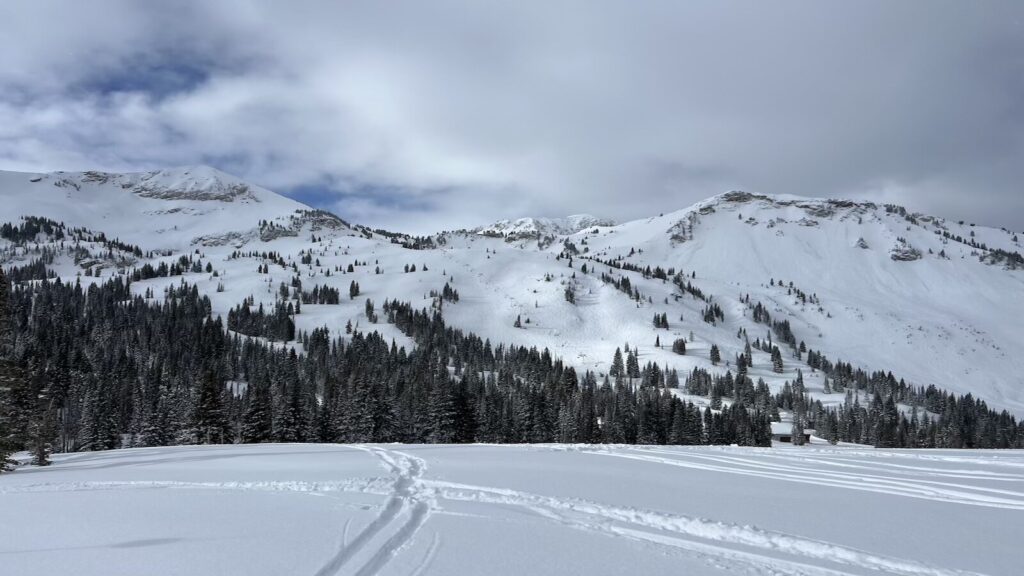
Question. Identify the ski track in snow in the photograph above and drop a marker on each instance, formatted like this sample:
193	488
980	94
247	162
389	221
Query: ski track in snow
406	497
909	487
435	545
411	499
363	485
746	545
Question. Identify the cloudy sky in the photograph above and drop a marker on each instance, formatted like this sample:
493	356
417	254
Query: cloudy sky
425	115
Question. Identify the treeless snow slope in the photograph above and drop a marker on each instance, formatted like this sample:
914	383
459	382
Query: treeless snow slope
332	509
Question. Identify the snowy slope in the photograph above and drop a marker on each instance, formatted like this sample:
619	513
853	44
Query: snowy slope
329	509
937	320
893	293
158	210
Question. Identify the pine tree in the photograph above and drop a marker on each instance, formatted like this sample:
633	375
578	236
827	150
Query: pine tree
42	448
632	365
672	379
797	431
679	346
257	422
618	369
442	414
41	431
8	377
209	421
156	425
288	422
716	356
886	424
716	398
776	360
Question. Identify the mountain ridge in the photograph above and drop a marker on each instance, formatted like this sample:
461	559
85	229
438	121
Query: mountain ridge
928	299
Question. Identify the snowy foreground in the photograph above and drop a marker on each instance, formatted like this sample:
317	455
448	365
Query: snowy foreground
420	509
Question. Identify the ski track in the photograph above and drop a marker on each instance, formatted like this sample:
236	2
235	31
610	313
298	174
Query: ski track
966	474
901	481
406	497
411	499
363	485
750	546
428	559
907	487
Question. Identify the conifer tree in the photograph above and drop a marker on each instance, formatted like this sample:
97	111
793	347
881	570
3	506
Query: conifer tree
776	360
632	365
257	422
156	425
797	431
672	379
679	346
209	421
716	398
442	414
618	369
8	377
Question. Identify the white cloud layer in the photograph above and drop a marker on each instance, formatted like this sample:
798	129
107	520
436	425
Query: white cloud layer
425	115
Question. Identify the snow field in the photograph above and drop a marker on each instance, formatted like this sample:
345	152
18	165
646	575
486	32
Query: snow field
543	509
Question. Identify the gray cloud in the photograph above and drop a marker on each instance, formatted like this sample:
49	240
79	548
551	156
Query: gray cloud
419	116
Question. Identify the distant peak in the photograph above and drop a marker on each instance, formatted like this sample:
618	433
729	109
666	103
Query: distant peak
199	182
536	227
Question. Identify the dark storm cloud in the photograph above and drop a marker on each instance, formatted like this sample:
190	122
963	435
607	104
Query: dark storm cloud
424	115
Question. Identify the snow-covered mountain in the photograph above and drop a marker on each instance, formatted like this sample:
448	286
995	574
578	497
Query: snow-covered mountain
537	228
929	299
933	301
163	209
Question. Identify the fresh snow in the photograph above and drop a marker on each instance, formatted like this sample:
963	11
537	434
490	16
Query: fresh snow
542	509
163	209
949	321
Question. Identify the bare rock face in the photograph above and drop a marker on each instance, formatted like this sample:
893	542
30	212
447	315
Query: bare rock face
682	231
226	194
740	197
199	183
195	183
